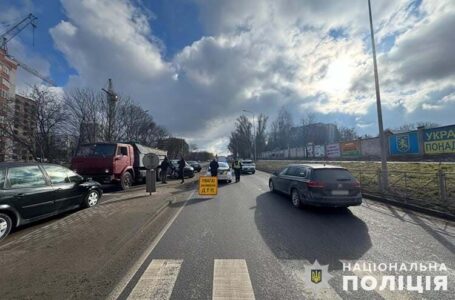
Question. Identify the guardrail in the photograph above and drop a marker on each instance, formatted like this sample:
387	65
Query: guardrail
429	190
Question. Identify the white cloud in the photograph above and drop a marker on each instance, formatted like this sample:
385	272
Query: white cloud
260	55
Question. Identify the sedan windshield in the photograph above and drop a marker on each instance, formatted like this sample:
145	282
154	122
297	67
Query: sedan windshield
223	165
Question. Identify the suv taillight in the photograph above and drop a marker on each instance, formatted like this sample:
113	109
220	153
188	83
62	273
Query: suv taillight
315	184
356	184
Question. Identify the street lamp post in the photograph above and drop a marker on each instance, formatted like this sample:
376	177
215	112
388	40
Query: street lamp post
384	177
254	129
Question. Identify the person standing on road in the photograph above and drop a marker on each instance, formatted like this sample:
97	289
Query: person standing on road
182	164
164	165
214	168
237	166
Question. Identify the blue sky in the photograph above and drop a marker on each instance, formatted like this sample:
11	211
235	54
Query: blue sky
207	60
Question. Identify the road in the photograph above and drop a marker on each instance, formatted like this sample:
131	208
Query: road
244	243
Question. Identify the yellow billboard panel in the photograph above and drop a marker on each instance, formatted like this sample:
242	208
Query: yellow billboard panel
208	185
440	147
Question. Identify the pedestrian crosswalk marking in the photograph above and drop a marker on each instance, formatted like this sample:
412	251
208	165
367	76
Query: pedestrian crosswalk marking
158	280
231	280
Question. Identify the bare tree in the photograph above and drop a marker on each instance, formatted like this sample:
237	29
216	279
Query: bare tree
241	139
261	134
347	134
88	120
281	130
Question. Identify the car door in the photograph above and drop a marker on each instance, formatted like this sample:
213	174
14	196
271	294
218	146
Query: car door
121	160
29	191
301	177
288	179
279	180
67	193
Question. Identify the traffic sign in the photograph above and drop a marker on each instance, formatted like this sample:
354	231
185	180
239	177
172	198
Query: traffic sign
151	161
208	185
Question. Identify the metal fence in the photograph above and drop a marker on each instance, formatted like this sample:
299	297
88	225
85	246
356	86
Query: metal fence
430	190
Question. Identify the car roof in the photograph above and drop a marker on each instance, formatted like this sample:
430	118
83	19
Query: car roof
22	164
316	166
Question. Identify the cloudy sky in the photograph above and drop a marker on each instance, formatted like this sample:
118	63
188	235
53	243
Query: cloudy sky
196	64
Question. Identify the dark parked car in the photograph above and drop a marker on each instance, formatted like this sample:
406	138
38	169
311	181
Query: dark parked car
188	171
317	184
33	191
196	166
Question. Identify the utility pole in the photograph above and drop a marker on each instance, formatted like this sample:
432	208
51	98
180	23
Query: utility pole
112	99
384	172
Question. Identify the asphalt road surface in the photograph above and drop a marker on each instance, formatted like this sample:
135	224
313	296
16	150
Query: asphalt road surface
248	243
245	243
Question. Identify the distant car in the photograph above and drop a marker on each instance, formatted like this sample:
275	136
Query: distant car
196	166
222	159
318	185
248	166
188	171
224	172
33	191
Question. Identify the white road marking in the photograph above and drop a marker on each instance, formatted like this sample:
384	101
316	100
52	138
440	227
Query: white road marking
127	278
158	280
231	280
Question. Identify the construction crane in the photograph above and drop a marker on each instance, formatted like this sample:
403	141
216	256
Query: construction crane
14	30
10	33
33	71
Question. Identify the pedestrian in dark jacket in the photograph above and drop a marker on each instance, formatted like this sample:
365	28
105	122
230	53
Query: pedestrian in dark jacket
164	166
214	167
182	164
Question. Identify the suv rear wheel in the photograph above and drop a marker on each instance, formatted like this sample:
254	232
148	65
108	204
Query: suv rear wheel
295	197
5	225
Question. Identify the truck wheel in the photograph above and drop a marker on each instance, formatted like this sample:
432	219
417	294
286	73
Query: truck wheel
5	225
126	181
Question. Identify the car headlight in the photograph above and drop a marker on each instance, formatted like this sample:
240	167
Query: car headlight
106	171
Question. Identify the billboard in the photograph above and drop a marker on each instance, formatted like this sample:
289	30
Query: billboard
319	151
309	150
403	144
439	140
333	150
350	149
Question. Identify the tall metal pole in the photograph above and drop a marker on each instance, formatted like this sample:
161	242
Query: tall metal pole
112	99
384	182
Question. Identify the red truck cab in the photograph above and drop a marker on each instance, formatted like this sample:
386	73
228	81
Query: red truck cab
106	163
